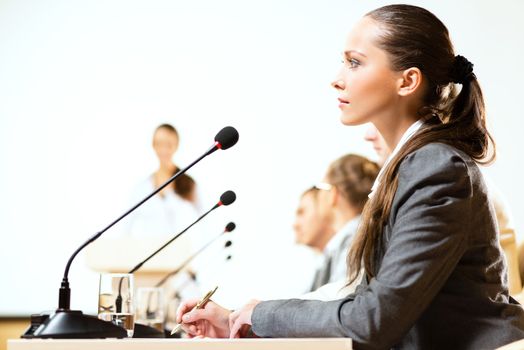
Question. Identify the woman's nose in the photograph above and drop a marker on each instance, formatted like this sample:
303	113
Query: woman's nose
338	84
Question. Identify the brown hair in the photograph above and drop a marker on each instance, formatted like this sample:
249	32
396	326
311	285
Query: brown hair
353	175
184	184
414	37
169	128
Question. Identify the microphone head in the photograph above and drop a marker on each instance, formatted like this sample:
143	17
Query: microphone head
228	244
227	137
230	227
227	198
192	275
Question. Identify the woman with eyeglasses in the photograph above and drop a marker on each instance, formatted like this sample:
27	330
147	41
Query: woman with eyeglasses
435	276
339	201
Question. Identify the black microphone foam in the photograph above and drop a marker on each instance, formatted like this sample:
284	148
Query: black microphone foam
227	137
227	198
228	244
230	227
192	275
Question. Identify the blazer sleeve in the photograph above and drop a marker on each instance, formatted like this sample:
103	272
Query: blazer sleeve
429	226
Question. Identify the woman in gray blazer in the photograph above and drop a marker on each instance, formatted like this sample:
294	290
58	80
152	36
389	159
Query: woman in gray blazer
435	274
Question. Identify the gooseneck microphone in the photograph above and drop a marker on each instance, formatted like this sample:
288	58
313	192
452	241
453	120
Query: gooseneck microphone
229	227
226	138
65	323
226	198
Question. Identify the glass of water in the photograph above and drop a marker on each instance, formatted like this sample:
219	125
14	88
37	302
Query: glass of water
172	303
150	307
115	300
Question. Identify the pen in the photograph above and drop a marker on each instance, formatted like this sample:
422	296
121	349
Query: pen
199	305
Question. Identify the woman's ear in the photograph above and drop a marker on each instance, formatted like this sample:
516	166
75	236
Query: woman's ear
410	81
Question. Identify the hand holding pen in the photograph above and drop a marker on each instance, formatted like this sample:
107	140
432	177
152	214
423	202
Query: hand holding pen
210	320
200	305
214	321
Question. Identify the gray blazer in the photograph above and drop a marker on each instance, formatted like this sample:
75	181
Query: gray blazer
442	280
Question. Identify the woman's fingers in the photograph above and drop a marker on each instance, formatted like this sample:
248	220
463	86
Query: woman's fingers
197	315
232	318
184	308
235	326
241	318
238	321
211	321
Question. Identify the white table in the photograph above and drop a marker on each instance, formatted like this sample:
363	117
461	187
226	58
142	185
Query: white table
181	344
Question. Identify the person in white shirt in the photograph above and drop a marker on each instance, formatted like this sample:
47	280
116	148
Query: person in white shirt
340	200
338	289
174	207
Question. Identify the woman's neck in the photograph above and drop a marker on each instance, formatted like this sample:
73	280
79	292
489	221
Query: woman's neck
165	169
342	216
393	129
160	176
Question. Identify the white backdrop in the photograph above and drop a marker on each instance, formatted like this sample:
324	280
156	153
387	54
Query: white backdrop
83	84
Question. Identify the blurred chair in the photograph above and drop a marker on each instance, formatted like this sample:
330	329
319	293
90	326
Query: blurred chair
516	345
508	242
515	261
520	260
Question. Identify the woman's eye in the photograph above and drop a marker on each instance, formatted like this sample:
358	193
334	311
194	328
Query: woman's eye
350	62
353	63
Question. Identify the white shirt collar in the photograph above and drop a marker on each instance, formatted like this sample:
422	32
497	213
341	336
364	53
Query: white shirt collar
405	137
349	228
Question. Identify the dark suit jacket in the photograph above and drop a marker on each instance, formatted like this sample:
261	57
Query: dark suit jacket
442	280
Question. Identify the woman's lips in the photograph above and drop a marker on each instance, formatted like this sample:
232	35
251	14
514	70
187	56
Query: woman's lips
342	102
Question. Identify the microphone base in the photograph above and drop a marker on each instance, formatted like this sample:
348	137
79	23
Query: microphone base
143	331
71	324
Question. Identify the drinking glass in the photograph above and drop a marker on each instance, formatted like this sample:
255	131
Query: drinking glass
115	300
150	307
172	304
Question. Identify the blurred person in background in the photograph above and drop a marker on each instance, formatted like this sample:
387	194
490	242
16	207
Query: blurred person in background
175	206
502	211
328	216
341	197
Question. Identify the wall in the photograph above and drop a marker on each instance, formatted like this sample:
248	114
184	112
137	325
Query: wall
84	83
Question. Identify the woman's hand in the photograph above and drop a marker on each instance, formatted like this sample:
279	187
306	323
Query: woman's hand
240	320
212	321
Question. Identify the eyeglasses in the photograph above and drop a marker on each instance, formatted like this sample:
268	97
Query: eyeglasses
323	186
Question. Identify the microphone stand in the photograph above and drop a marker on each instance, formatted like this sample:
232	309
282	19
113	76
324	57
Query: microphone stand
141	330
69	324
186	262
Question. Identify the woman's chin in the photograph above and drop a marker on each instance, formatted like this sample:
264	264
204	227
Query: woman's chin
351	120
